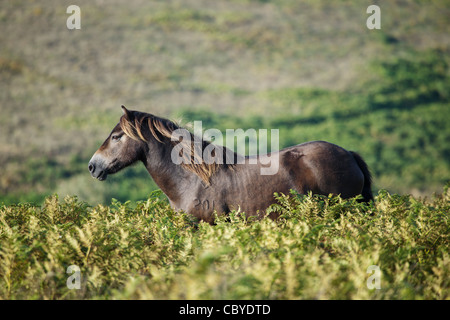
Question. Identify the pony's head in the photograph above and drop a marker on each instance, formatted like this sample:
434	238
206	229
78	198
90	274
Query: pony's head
118	151
136	136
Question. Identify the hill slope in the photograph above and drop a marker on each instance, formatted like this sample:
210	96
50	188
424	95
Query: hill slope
311	69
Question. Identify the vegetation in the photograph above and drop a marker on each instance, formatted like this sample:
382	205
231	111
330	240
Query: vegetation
319	248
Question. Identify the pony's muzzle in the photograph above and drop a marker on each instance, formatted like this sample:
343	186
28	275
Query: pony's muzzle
91	168
96	172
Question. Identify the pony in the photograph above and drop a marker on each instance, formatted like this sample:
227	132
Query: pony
204	186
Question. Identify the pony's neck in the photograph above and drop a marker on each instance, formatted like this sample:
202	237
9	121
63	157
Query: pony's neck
169	177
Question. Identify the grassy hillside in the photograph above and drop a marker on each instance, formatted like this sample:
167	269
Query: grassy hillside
320	248
400	124
311	69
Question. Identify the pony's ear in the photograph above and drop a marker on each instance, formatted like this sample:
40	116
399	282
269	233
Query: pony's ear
127	113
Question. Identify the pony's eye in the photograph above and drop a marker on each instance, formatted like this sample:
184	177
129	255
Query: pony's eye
116	137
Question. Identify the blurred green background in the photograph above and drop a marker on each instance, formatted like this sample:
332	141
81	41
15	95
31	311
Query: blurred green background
311	69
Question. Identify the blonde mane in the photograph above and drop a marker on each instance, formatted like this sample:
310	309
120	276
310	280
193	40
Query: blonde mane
144	126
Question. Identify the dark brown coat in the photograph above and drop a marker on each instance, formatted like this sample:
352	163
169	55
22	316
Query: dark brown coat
202	189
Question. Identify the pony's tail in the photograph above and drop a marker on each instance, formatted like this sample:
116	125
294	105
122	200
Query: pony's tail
367	188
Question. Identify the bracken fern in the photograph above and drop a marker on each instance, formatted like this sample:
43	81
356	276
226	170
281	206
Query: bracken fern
319	248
